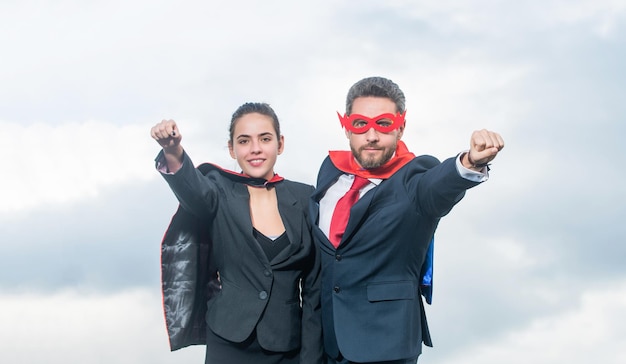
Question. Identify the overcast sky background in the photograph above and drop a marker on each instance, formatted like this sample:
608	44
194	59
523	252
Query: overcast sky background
529	267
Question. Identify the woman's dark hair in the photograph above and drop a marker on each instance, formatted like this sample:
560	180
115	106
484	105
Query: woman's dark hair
253	107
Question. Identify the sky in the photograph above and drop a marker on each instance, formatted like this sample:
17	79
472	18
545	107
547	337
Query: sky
529	267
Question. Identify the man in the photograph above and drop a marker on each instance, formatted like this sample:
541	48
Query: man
373	252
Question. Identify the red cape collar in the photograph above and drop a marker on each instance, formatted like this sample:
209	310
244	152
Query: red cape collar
240	177
345	162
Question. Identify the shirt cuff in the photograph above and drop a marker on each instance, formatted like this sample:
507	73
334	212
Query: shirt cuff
469	174
161	164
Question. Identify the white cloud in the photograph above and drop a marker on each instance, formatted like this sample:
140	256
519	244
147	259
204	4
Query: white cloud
74	327
56	164
501	19
602	17
593	332
81	79
127	327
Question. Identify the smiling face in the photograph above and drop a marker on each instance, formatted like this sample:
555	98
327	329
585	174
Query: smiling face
373	148
255	145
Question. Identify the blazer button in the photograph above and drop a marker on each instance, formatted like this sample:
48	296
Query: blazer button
267	273
338	257
336	289
263	295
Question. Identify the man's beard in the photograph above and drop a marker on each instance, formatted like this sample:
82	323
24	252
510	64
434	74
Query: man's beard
372	162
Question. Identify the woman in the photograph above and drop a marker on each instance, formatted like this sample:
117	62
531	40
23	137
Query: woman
238	257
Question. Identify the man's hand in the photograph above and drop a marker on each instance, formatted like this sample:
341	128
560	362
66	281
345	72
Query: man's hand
484	147
168	136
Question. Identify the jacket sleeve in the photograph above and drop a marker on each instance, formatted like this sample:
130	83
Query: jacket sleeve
439	186
195	191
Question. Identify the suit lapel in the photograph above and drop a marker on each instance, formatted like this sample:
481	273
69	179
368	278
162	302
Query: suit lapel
241	203
327	176
292	218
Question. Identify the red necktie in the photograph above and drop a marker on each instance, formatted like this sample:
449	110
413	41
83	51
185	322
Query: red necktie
342	210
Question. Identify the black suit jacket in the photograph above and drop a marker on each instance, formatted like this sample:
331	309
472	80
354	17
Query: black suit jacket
371	306
212	231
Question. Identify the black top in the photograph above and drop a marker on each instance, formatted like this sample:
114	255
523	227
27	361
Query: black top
272	247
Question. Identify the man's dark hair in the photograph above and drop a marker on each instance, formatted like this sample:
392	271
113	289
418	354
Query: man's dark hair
377	87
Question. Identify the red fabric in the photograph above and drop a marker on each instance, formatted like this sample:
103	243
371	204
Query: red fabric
241	177
344	161
342	210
